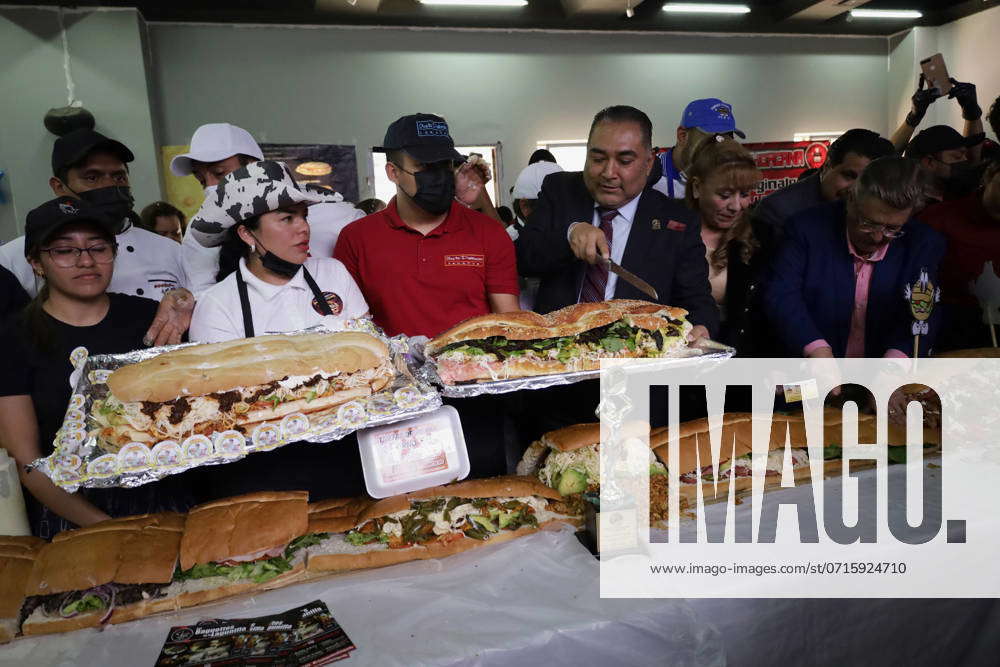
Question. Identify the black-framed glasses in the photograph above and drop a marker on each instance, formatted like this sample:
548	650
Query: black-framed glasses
887	231
69	256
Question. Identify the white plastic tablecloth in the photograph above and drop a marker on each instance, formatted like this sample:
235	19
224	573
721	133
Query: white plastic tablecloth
532	601
535	601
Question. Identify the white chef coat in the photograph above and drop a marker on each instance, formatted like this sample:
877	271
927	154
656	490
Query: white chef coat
218	315
325	224
147	265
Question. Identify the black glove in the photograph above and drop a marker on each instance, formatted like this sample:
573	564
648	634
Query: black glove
921	100
965	93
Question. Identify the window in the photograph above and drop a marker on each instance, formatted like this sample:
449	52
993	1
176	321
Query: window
570	155
386	189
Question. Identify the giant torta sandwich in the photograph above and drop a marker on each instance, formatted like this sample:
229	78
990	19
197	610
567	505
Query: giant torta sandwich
17	558
696	470
242	543
433	523
568	460
239	384
113	571
522	343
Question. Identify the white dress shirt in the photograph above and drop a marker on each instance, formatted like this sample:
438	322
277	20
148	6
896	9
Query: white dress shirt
620	227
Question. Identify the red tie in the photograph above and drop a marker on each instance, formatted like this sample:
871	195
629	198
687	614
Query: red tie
596	279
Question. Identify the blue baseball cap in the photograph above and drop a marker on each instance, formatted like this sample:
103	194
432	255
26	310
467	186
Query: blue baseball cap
712	115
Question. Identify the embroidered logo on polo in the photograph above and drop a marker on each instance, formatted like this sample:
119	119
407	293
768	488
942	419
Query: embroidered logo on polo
432	128
335	302
68	209
465	260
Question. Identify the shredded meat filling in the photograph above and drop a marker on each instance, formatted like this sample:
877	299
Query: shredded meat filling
178	410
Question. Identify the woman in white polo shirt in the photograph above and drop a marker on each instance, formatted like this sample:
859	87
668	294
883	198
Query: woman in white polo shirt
268	283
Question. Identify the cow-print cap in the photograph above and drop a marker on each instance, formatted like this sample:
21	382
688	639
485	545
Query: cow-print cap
250	191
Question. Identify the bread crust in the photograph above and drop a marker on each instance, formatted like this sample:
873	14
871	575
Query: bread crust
22	542
52	625
571	438
568	321
382	558
694	435
204	369
224	529
15	569
495	487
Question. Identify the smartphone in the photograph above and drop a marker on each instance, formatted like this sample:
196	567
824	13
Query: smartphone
936	73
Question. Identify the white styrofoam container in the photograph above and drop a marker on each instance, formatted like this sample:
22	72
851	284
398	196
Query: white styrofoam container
414	454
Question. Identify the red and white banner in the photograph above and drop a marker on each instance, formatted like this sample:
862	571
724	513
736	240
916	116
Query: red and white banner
783	161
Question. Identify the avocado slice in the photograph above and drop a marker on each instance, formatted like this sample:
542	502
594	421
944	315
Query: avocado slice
485	523
572	481
507	517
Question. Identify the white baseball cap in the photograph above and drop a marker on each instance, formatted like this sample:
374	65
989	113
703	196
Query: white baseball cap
529	181
214	142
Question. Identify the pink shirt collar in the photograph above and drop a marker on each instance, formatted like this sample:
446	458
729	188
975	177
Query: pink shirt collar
876	256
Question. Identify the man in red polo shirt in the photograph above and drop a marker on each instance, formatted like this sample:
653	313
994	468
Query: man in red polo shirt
427	261
971	226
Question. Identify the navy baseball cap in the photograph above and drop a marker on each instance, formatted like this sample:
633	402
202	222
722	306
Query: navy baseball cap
424	136
711	115
44	221
74	146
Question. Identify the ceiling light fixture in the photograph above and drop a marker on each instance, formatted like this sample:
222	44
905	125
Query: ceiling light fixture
702	8
476	3
885	14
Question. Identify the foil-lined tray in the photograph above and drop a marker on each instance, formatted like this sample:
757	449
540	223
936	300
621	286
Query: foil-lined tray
426	371
82	459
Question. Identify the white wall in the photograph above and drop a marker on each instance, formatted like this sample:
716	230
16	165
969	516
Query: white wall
106	63
341	85
971	49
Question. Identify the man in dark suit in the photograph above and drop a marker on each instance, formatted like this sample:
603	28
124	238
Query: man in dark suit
610	211
843	280
847	158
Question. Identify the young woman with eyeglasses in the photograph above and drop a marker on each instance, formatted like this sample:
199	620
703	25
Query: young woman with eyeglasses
73	248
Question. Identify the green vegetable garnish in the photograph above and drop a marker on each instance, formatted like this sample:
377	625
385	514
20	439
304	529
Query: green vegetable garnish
304	542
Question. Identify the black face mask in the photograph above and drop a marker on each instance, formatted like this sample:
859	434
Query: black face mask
435	189
114	201
963	180
275	264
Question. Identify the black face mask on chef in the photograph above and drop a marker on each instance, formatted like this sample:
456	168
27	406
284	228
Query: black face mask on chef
435	187
275	264
114	201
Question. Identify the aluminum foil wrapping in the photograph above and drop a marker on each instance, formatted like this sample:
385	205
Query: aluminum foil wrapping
81	459
426	370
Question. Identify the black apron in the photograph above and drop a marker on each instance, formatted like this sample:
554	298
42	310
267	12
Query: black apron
241	286
325	471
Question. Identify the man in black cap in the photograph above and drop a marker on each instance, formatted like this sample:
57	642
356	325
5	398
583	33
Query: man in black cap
944	155
88	165
427	262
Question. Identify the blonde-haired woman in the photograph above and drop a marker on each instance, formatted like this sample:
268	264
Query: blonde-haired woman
721	181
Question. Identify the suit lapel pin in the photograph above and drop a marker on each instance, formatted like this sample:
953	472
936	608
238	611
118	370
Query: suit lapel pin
656	224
